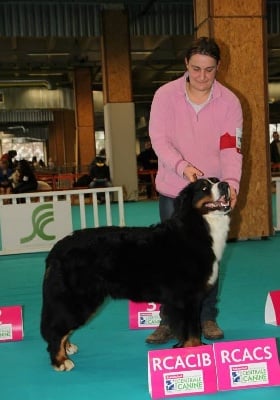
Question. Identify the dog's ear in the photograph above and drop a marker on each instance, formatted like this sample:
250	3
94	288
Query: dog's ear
183	202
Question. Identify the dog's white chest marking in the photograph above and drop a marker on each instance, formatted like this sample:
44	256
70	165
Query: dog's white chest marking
219	227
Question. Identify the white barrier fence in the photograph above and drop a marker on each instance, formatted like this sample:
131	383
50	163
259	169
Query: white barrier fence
34	222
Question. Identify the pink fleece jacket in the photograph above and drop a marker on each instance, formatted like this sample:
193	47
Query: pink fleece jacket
210	140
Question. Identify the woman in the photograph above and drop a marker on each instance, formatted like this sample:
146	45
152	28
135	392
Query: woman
196	128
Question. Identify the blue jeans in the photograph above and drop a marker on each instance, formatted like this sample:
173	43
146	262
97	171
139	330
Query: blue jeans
209	310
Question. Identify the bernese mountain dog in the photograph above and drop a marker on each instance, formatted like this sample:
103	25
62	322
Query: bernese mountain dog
173	263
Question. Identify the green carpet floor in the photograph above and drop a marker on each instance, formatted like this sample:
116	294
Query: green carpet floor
112	360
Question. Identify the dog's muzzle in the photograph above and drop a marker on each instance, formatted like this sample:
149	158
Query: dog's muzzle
221	198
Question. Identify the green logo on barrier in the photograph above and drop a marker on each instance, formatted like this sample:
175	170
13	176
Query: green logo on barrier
41	216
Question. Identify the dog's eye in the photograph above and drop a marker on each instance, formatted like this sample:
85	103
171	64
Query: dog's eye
204	188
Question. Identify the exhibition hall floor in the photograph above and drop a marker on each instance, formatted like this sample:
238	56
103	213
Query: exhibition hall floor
112	360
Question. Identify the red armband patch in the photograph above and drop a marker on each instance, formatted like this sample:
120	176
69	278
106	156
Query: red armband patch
227	141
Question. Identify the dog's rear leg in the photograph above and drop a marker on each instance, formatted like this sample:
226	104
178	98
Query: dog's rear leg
59	348
56	334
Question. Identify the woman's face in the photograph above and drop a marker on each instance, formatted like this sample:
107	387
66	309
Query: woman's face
202	71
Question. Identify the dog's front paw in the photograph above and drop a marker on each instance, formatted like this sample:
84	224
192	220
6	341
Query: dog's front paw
71	349
67	365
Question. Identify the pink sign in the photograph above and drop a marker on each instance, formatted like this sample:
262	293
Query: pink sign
247	364
272	308
143	315
11	326
181	372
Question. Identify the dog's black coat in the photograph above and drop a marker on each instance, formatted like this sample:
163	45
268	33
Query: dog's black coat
168	263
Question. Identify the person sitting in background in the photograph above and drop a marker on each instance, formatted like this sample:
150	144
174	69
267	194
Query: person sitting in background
147	160
34	162
23	180
41	163
5	173
99	173
275	149
51	164
10	158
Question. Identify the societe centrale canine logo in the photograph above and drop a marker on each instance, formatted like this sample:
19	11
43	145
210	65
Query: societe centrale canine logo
41	216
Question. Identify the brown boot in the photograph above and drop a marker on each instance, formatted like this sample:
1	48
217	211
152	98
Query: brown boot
162	334
211	330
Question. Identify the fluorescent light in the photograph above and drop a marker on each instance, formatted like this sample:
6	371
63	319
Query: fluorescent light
47	54
45	74
142	52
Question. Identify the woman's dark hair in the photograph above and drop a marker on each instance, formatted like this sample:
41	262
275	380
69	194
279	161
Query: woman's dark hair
205	46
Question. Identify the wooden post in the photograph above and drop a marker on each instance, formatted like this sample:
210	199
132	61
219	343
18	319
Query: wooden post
85	134
119	113
239	28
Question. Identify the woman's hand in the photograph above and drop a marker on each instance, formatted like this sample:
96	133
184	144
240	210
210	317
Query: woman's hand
191	173
233	197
